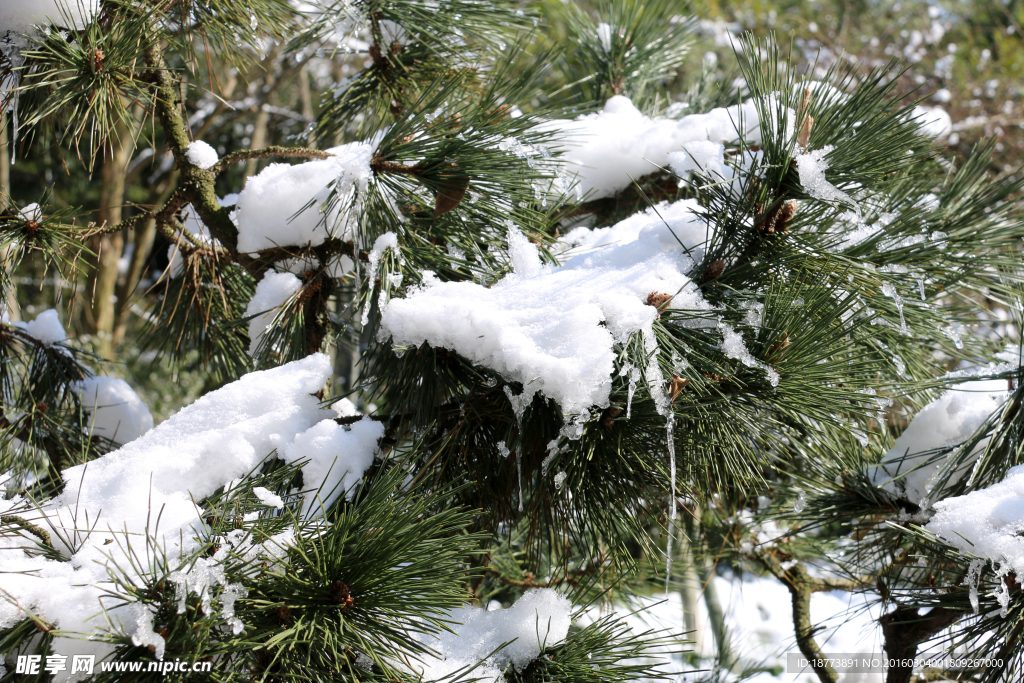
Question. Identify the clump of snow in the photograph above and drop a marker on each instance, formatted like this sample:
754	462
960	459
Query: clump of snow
911	467
115	411
46	328
553	328
31	213
733	347
337	458
987	523
19	17
345	408
811	167
208	445
703	156
201	154
933	122
271	293
606	150
539	619
268	497
284	205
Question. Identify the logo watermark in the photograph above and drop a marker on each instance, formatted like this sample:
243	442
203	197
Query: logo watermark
87	664
873	662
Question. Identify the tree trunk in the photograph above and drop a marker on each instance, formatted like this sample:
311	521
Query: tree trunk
716	616
690	589
108	248
261	127
13	311
145	235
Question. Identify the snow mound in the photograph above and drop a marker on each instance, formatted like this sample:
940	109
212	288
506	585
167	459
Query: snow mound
149	486
934	122
284	205
19	17
987	523
910	466
540	616
553	328
115	411
337	458
604	151
271	293
46	328
201	154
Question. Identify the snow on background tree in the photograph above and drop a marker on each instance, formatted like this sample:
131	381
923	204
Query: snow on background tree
520	330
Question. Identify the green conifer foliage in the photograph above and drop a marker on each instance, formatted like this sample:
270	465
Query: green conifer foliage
508	323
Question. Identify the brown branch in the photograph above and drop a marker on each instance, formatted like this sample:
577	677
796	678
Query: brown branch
799	583
528	582
904	629
267	153
198	185
381	165
34	529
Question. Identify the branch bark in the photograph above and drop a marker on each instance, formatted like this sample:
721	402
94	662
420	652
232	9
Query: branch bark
800	586
904	629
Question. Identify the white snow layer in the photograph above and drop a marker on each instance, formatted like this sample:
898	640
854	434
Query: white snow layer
540	617
987	523
934	122
607	149
759	620
911	466
201	154
149	487
18	17
284	205
46	328
553	328
336	458
271	293
115	411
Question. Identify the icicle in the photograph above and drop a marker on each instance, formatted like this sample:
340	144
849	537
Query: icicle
920	286
655	380
519	469
634	378
972	579
504	451
388	240
891	292
954	336
670	438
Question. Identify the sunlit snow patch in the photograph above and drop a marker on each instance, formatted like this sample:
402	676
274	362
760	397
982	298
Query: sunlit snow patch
553	328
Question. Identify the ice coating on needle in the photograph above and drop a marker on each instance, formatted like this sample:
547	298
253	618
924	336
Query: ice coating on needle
285	205
553	328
